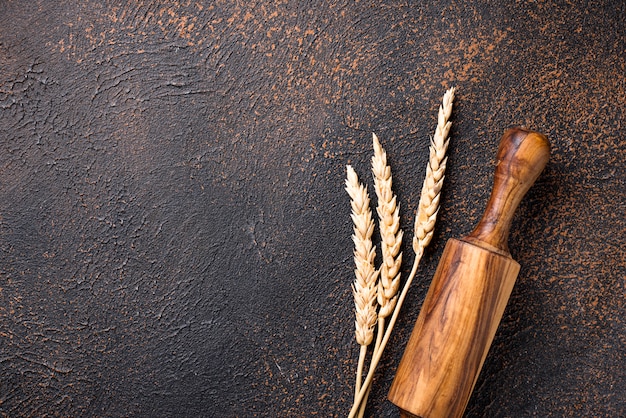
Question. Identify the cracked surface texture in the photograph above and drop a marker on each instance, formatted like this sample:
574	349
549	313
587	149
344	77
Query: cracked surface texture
174	233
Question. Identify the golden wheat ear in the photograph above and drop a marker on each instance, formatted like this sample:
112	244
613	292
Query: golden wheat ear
364	287
390	232
433	182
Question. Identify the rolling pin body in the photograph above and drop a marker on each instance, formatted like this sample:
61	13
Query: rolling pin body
468	294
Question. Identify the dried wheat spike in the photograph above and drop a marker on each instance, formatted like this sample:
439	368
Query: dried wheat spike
390	232
429	199
364	286
424	225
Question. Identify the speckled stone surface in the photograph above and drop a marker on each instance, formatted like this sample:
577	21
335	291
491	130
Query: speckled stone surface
174	233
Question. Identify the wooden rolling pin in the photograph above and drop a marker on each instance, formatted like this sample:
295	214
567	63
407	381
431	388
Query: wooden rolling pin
468	294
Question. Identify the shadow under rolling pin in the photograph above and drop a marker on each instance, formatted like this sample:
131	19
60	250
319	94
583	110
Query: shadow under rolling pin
468	293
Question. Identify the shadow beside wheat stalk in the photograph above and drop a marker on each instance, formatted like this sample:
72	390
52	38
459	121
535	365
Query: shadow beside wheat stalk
376	290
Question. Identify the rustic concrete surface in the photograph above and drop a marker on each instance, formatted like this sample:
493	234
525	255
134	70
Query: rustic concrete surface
174	234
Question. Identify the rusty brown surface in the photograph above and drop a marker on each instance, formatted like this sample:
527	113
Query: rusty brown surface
174	234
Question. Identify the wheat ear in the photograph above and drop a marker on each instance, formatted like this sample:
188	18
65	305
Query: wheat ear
427	211
364	286
390	232
391	239
429	199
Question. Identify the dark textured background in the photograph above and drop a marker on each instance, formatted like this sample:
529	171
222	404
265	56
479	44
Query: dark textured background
174	233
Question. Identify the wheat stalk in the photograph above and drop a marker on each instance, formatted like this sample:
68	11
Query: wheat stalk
429	199
390	232
364	286
391	239
424	226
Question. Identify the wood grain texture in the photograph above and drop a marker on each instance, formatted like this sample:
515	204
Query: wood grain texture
454	330
522	155
469	292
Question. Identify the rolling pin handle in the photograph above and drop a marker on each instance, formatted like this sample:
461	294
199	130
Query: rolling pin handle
521	157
